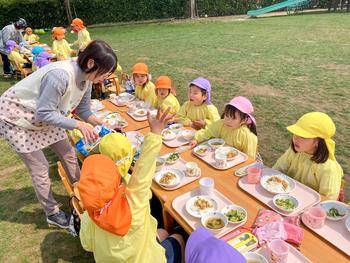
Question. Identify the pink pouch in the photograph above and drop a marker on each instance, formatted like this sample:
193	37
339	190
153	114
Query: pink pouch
273	230
295	234
266	216
294	220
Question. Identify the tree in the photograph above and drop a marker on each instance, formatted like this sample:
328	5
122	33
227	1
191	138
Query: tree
68	11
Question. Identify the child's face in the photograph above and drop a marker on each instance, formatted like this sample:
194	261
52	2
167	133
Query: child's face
306	145
140	79
163	93
234	123
196	96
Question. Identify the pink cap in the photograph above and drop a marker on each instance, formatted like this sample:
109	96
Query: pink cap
244	105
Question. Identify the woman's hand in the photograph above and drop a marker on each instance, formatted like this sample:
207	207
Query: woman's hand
158	124
90	135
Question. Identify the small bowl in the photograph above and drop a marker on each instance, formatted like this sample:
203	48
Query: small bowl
212	216
328	205
160	163
168	135
291	199
216	143
140	112
255	257
176	126
204	147
187	135
228	208
171	161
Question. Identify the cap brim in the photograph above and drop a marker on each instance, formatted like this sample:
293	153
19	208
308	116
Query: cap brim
295	129
197	237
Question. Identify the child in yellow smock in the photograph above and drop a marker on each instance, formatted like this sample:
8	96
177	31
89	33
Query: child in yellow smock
166	95
29	36
198	111
311	157
139	244
60	46
15	56
145	89
237	127
83	35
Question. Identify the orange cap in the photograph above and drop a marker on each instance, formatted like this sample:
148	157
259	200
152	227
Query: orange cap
140	68
78	22
29	30
58	32
103	195
164	82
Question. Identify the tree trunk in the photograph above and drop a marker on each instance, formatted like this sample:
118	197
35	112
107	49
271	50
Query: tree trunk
68	11
193	8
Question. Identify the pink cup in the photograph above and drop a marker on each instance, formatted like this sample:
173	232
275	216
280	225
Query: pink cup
278	251
253	175
314	217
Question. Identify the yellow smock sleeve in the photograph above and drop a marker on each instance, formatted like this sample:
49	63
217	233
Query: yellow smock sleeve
141	178
15	56
283	163
211	131
213	114
329	175
86	233
249	142
172	102
181	115
150	95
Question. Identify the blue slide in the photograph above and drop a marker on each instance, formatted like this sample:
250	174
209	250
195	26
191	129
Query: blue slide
275	7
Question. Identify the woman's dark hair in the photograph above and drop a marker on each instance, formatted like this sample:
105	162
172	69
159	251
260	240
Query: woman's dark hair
105	60
230	111
321	154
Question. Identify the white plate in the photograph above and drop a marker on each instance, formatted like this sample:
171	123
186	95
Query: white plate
228	208
176	126
168	135
226	150
342	209
115	119
285	196
125	97
347	223
166	156
96	105
187	135
195	211
140	112
199	147
172	183
277	188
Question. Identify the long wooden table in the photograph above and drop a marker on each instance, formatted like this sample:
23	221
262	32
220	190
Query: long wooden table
313	246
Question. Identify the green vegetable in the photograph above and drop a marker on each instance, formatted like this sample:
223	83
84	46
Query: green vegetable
173	157
235	215
286	204
333	212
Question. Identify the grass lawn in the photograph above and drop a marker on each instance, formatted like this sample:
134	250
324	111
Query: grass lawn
287	66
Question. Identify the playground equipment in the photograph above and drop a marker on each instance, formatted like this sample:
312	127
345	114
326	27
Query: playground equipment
290	5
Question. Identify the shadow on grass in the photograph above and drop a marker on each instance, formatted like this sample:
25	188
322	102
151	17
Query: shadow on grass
59	246
16	206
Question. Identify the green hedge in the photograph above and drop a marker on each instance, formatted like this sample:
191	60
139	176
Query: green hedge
49	13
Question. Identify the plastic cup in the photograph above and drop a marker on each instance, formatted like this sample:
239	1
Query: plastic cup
253	175
278	251
206	186
314	217
221	160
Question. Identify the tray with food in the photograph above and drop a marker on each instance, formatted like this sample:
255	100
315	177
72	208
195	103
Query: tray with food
218	155
174	138
280	192
215	212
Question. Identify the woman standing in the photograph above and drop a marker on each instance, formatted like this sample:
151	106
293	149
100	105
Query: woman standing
33	115
10	32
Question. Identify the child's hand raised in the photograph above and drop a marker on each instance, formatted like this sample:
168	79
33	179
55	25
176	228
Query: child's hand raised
158	124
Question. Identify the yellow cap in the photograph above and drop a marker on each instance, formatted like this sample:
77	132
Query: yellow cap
316	125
